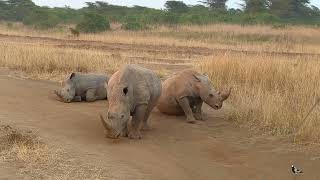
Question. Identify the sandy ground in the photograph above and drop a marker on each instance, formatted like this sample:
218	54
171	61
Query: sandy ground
173	149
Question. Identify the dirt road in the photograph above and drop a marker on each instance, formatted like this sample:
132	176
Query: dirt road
173	149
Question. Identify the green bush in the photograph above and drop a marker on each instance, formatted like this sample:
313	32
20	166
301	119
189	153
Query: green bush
41	19
93	23
133	26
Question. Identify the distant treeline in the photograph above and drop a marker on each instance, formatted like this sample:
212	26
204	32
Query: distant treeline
276	12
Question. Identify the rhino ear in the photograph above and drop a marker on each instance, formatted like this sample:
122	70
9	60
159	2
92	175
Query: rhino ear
197	77
72	75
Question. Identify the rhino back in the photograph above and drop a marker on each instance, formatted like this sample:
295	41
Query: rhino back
83	82
145	84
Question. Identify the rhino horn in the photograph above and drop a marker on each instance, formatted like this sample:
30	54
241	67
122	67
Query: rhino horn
225	95
57	93
105	125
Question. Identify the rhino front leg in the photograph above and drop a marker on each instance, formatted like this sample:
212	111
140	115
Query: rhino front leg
197	112
77	99
91	95
137	118
145	125
185	105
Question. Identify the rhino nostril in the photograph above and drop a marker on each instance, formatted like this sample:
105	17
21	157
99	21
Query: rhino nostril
122	116
217	106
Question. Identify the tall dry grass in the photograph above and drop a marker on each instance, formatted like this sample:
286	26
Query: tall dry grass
54	63
270	92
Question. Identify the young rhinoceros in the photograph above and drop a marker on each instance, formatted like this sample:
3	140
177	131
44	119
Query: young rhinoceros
185	92
83	87
132	91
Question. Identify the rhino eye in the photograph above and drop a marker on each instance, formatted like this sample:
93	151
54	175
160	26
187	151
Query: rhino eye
211	95
68	90
125	91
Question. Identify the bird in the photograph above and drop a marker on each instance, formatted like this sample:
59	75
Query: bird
295	170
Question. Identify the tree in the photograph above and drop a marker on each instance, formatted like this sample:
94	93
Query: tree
176	6
256	6
93	23
215	4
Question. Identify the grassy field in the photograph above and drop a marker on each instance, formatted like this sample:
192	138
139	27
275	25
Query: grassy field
274	72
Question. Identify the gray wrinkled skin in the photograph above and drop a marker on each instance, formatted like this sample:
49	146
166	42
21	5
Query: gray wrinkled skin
83	87
132	91
185	92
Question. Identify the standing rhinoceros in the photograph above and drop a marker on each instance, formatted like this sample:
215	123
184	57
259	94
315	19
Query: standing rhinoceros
83	87
132	91
185	92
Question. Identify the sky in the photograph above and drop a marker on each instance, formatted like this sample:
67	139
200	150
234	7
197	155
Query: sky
148	3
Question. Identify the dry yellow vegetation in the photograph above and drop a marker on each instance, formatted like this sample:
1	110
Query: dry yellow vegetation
272	91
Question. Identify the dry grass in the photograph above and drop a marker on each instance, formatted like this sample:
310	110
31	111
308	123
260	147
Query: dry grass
36	160
270	92
222	36
54	63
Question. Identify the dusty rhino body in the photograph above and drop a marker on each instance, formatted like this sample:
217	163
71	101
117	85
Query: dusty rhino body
132	91
185	92
83	87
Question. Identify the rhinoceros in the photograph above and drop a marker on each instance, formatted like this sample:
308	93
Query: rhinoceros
83	87
132	91
185	92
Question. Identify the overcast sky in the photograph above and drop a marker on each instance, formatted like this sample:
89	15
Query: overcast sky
148	3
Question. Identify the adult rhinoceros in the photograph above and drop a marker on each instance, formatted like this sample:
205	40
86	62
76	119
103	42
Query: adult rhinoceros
185	92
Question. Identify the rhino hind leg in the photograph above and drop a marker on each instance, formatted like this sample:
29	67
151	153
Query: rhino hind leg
137	118
91	95
185	105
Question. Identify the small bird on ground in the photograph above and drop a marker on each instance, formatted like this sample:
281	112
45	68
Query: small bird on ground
295	170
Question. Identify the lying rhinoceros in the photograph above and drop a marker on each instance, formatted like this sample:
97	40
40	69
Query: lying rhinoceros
83	87
132	91
185	92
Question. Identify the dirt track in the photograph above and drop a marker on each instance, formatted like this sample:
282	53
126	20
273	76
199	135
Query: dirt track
173	149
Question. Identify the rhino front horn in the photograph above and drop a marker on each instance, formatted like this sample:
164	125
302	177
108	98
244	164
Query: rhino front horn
57	93
105	125
226	94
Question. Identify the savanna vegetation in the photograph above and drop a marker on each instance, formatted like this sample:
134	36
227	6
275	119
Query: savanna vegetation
275	12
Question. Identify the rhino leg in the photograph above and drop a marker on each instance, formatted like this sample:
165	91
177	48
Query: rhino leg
77	99
185	105
145	125
91	95
197	112
137	118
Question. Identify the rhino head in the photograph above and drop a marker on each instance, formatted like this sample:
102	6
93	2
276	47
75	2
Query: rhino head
208	94
67	93
119	111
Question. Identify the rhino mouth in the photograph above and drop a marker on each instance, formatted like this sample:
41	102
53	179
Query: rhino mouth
111	132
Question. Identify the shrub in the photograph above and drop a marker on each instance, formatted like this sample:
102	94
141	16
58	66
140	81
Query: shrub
93	23
41	19
133	26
